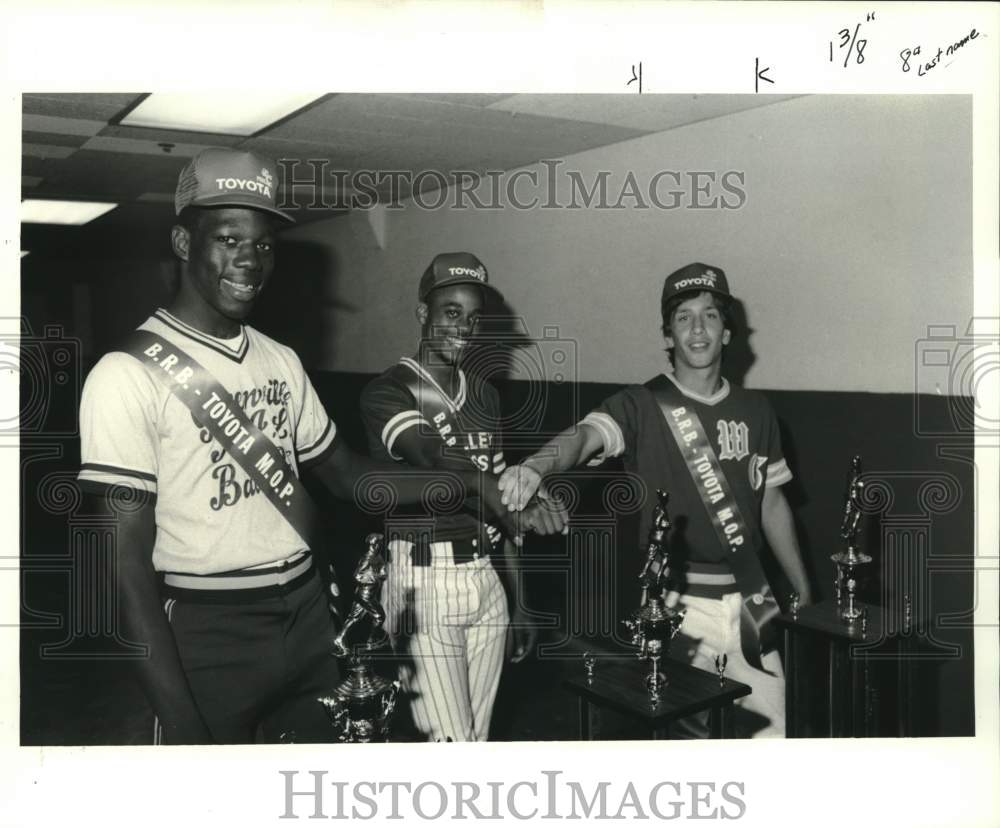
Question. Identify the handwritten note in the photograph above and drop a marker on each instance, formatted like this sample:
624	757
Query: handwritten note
924	66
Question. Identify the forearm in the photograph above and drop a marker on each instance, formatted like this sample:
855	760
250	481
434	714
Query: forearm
362	481
160	673
779	530
510	571
566	451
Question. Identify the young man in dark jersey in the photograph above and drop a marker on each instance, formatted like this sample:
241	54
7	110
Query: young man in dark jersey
716	449
447	608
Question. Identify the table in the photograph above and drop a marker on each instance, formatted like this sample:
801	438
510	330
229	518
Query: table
839	683
619	685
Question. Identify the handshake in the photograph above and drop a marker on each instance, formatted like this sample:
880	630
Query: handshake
526	505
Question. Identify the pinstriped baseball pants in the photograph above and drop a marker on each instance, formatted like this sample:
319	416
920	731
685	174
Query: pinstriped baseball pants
448	624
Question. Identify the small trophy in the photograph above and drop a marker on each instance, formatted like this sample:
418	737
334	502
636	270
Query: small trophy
795	604
654	624
720	668
361	706
852	557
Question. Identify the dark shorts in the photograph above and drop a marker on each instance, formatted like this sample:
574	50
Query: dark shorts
256	668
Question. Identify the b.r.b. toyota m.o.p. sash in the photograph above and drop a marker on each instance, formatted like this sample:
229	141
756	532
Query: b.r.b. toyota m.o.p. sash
438	408
739	538
214	409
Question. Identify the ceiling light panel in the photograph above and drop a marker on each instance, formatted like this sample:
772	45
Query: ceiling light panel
220	113
48	211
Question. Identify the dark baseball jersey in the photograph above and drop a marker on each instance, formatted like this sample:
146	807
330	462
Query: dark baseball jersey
466	426
743	431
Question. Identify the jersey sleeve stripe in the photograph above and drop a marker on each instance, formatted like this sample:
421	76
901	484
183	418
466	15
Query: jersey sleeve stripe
317	457
99	468
611	436
397	425
778	474
499	467
103	488
307	453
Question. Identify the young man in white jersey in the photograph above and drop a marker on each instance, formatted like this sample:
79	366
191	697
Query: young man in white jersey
205	424
447	608
716	449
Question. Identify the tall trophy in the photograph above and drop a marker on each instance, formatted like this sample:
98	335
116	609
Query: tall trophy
653	625
851	556
361	706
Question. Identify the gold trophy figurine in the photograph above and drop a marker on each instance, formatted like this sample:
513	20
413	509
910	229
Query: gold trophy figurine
852	556
361	706
654	624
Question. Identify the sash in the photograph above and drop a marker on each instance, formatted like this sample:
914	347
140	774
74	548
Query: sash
425	394
213	408
739	538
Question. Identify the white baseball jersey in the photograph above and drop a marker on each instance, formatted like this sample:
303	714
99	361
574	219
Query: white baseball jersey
210	517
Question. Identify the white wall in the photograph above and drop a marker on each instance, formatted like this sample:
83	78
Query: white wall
855	236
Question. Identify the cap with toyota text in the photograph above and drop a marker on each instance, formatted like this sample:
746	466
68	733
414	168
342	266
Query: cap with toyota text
218	177
449	269
698	277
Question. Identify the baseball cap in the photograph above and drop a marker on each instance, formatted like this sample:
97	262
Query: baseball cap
696	277
447	269
218	177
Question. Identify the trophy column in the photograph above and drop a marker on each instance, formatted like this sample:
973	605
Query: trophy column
361	706
653	625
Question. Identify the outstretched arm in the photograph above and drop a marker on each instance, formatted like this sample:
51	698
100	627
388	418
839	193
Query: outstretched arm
342	472
571	448
779	529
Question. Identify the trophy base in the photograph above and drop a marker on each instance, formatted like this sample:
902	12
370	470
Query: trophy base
656	682
851	558
361	706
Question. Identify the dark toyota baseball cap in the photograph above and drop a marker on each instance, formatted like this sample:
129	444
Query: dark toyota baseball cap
218	177
696	277
449	269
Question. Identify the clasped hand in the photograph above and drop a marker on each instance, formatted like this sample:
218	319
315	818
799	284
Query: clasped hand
522	492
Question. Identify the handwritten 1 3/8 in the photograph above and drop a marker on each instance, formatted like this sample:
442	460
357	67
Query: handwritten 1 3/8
852	43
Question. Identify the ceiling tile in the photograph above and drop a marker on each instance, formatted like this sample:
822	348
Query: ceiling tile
171	136
94	107
60	126
51	139
651	113
156	198
460	98
103	143
46	150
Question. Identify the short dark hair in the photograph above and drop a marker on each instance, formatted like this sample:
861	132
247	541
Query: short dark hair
725	305
190	217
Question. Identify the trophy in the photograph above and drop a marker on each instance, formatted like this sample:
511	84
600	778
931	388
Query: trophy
654	624
361	706
720	668
852	557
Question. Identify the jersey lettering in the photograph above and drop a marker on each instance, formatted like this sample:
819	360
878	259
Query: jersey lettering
734	440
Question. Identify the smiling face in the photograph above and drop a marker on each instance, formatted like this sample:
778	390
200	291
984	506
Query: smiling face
228	256
448	320
697	333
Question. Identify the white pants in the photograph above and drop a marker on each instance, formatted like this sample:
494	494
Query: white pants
448	624
712	627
